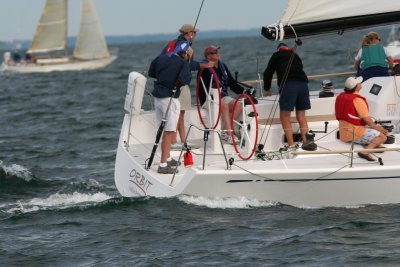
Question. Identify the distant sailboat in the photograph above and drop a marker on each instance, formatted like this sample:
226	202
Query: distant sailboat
48	50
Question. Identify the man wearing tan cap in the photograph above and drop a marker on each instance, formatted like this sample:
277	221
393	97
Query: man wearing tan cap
187	33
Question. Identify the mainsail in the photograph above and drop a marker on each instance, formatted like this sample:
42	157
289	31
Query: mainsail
311	17
90	43
51	32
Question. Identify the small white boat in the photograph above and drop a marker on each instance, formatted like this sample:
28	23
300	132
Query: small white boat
257	167
48	50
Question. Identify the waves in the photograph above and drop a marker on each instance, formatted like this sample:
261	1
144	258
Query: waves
226	203
15	170
22	192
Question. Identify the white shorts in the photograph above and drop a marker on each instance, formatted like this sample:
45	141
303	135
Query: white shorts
160	105
185	98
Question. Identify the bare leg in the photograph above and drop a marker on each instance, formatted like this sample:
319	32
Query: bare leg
166	144
287	126
174	137
226	120
238	110
181	127
376	142
301	118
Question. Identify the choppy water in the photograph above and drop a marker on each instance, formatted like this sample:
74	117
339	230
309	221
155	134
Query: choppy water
59	205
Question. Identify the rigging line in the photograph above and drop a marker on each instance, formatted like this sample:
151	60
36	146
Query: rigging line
198	14
279	180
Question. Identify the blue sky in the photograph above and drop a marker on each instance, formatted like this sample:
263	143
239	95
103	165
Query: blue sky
133	17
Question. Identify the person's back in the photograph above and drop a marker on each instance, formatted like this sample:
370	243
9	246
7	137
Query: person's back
172	72
373	55
279	63
168	69
372	59
293	92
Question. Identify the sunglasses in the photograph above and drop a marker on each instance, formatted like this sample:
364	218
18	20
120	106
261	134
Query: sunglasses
213	53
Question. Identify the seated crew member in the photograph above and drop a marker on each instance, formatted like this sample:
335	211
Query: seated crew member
372	59
172	71
226	80
355	122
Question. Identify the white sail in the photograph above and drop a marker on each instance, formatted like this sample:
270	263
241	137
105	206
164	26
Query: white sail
51	32
90	43
311	17
304	11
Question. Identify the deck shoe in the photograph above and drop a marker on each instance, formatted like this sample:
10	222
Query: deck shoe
225	136
166	170
377	147
365	156
309	146
173	163
176	146
390	139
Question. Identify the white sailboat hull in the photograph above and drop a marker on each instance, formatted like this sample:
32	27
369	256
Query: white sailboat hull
314	180
287	181
71	65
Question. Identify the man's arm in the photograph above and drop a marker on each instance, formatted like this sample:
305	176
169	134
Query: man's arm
268	74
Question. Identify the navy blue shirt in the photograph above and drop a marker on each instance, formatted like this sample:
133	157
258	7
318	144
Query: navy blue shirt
171	72
278	63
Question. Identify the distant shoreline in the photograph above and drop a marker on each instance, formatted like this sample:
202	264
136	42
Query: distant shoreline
125	39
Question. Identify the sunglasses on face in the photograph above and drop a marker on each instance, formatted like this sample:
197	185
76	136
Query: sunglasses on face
213	53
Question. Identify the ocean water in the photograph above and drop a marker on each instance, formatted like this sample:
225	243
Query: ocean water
59	205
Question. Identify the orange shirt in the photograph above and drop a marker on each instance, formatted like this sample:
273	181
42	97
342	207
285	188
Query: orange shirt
347	130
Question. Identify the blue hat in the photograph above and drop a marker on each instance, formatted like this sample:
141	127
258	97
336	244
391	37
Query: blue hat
180	47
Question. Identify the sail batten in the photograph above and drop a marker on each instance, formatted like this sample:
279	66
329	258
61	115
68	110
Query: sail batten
310	17
51	31
90	43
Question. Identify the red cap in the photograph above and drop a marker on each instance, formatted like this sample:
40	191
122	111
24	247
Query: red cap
212	49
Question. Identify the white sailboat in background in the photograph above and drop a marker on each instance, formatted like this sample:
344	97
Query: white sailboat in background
48	50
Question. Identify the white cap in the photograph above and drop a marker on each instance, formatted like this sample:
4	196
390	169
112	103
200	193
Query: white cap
352	82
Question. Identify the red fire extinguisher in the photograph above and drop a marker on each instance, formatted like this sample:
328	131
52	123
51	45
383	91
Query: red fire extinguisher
187	159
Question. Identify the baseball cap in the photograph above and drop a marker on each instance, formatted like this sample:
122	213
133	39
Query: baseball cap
352	82
188	28
211	49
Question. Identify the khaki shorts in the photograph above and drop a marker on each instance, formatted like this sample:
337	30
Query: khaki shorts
185	98
160	105
227	99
